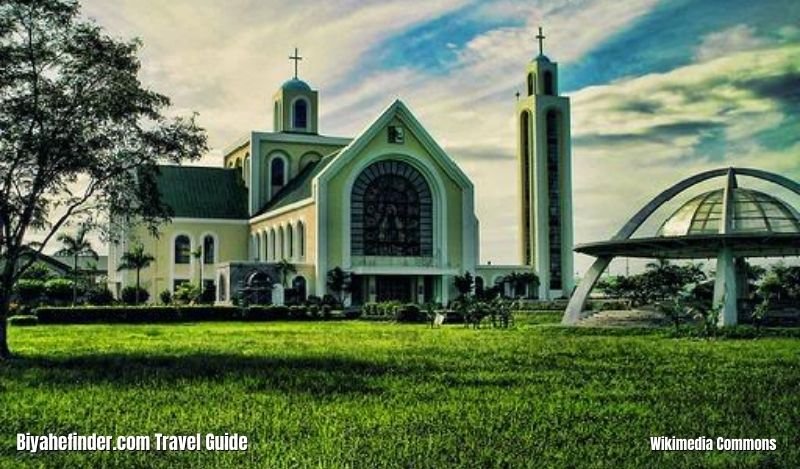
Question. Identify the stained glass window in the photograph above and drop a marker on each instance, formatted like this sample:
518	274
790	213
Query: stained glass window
391	212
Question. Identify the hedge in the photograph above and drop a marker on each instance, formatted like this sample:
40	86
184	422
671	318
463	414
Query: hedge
23	320
166	314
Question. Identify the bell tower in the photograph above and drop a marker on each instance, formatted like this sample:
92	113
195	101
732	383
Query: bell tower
545	178
295	105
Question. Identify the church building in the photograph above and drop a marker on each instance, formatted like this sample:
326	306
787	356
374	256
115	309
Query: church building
388	208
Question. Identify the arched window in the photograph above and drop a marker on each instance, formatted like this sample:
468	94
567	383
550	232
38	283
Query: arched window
300	114
548	83
183	249
301	239
277	173
299	286
279	242
531	81
554	198
289	242
391	211
272	248
276	120
525	158
209	255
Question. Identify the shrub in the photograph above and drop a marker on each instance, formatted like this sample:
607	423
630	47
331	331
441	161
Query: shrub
136	314
100	297
58	290
266	313
313	300
408	313
352	314
331	300
165	297
25	320
187	294
29	291
128	295
38	271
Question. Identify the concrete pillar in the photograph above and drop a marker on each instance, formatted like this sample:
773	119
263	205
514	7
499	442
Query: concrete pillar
277	294
725	291
372	289
420	289
444	283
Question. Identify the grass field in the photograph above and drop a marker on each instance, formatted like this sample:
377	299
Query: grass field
360	394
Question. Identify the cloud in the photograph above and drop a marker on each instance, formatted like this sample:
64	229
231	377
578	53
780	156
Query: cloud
736	103
721	43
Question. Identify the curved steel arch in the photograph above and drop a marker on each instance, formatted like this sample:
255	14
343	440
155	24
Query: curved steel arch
578	300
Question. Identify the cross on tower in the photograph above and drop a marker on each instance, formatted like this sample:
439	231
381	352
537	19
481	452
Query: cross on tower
541	37
296	57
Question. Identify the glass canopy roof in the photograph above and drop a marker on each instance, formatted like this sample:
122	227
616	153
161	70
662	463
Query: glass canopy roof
753	212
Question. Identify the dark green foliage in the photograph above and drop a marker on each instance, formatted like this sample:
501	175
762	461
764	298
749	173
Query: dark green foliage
781	283
409	313
380	395
129	297
266	313
26	320
58	290
331	301
165	297
29	291
339	281
100	296
464	283
38	271
522	281
137	314
187	293
661	280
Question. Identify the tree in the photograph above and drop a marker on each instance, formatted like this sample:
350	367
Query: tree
339	281
284	269
519	281
136	259
464	283
74	247
80	134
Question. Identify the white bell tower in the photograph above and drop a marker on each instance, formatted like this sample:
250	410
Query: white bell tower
545	182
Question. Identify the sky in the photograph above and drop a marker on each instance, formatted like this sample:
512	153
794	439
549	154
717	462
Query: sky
659	89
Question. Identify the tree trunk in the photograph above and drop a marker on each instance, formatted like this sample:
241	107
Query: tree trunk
5	353
74	280
136	297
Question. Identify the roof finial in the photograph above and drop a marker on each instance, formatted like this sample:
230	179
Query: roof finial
541	37
296	57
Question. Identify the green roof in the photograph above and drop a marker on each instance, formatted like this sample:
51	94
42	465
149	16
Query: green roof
299	188
203	192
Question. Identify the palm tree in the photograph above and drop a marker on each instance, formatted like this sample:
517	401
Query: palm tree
284	268
136	259
76	246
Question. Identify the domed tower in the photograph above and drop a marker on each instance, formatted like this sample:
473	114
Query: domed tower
545	178
295	105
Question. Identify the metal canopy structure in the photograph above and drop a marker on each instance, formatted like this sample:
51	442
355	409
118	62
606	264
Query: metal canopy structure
697	246
727	224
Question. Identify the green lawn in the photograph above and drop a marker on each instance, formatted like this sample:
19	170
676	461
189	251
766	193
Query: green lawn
358	394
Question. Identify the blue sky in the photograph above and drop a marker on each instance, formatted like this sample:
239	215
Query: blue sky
659	89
